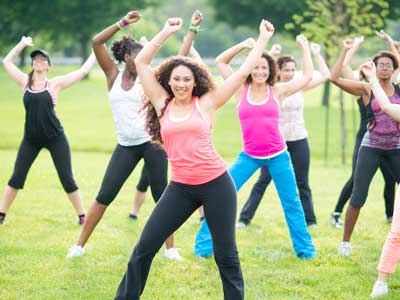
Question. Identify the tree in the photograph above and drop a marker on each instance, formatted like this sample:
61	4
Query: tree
329	22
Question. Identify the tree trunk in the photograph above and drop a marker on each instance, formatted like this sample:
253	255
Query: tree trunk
84	50
342	126
325	102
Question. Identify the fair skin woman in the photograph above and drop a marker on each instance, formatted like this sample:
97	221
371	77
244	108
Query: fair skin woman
41	67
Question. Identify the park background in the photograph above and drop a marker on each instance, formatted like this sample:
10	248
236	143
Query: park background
41	225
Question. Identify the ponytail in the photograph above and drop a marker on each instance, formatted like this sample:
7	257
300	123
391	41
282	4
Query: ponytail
30	79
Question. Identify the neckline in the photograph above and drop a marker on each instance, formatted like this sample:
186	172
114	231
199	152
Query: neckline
179	119
39	90
254	102
121	73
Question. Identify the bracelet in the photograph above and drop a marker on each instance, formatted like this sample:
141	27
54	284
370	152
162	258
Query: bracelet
118	25
194	28
122	24
373	82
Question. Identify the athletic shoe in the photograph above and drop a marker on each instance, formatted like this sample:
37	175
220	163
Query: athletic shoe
75	251
133	216
389	219
380	289
172	254
82	219
240	225
335	220
312	225
345	249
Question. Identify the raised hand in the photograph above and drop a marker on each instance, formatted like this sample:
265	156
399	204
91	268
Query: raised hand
248	43
358	40
27	41
348	44
132	17
302	41
397	45
197	18
275	50
172	25
384	36
315	48
267	29
369	70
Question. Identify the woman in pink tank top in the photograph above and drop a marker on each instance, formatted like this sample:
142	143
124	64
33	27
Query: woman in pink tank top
182	108
258	105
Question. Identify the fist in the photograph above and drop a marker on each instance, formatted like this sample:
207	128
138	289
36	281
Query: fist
348	44
266	28
315	48
276	49
197	18
132	17
27	41
173	24
302	40
249	43
358	40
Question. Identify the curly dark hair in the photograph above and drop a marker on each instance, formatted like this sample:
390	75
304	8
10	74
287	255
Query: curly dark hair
387	54
272	70
124	45
202	78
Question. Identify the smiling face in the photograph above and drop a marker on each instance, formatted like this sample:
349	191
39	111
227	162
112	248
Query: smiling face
182	82
40	63
286	73
260	72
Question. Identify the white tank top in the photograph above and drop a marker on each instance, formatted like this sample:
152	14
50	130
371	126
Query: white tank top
291	121
129	118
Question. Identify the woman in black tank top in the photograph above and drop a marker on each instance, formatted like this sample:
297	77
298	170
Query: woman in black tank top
42	127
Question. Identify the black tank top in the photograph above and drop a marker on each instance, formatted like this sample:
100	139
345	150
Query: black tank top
41	122
365	117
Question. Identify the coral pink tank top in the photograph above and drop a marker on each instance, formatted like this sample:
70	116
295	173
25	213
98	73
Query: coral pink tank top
190	151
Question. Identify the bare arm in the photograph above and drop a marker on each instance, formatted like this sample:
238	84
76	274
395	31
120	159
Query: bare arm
284	90
393	110
324	73
61	82
346	67
275	50
99	48
152	88
9	62
229	87
195	22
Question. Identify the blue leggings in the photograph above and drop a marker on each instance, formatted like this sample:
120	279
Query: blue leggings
281	170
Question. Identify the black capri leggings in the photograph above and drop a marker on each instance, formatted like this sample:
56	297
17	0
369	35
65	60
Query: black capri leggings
124	160
369	159
60	153
143	183
176	205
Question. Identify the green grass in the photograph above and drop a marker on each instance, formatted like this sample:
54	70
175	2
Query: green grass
41	225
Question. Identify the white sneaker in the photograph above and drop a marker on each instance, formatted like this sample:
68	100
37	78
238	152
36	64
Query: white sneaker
172	254
240	225
380	288
345	249
75	251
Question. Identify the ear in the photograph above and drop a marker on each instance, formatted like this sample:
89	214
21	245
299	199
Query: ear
126	57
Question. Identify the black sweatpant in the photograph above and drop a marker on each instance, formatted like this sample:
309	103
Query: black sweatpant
390	182
60	153
176	205
300	155
124	160
369	159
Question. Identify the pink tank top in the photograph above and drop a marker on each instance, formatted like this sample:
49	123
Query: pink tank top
261	135
190	151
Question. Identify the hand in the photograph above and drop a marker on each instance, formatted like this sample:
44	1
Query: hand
397	45
26	41
248	43
197	18
143	40
302	41
358	40
275	50
348	44
369	70
172	25
315	48
132	17
267	29
384	36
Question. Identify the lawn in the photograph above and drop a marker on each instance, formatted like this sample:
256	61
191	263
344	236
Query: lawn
41	225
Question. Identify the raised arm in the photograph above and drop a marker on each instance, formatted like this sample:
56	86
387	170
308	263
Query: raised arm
228	88
222	61
347	71
323	73
152	88
392	48
61	82
391	109
99	48
275	50
195	22
9	62
286	89
353	87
